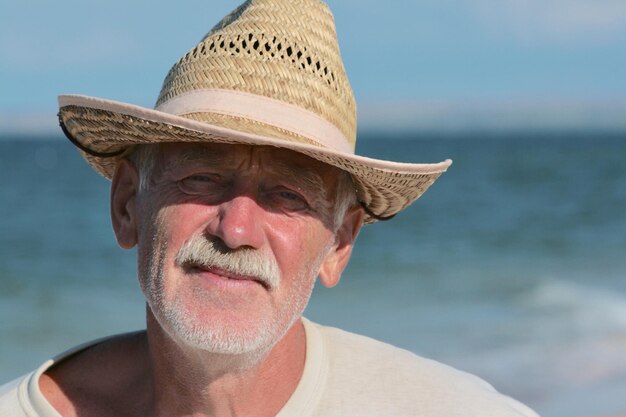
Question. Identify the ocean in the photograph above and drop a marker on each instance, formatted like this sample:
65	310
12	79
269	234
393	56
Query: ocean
512	266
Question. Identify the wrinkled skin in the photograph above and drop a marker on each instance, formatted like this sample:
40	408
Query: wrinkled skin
242	198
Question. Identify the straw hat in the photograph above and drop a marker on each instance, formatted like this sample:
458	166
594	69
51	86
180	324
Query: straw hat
270	73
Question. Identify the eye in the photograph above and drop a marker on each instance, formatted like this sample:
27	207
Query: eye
200	184
288	195
289	200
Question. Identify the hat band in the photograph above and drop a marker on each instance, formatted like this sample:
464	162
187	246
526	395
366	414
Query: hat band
262	109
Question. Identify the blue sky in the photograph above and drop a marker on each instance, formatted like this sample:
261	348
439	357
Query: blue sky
448	64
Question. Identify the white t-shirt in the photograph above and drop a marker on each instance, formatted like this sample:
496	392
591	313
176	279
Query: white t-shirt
344	375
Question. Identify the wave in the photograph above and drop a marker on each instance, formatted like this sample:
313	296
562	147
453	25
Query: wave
574	343
569	308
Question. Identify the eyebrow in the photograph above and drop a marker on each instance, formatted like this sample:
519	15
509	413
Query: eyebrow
296	174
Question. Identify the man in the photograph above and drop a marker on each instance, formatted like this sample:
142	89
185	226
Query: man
239	189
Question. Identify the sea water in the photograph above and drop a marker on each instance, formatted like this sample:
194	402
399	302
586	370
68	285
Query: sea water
513	266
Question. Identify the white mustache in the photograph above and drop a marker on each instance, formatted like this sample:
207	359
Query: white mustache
246	262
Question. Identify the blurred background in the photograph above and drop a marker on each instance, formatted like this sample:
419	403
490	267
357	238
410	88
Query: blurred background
511	267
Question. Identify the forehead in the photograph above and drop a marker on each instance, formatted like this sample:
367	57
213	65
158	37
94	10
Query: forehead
228	157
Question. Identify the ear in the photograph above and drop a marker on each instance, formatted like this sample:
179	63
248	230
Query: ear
339	255
124	187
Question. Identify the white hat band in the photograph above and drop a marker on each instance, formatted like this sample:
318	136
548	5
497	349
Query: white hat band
261	109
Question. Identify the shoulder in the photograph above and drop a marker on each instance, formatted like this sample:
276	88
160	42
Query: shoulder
42	392
389	378
96	380
21	397
9	398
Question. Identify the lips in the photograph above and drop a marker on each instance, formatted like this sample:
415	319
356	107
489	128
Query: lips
220	273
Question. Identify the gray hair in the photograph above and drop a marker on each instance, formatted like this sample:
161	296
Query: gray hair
345	198
144	158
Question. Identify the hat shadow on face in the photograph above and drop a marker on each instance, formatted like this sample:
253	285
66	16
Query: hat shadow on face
270	73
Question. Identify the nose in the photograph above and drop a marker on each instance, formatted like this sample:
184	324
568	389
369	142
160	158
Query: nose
238	223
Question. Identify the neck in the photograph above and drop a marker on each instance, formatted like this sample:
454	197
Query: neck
189	381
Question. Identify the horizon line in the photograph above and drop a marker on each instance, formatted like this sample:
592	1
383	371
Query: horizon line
412	115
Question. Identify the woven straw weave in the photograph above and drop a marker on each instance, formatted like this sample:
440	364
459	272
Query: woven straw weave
383	192
284	50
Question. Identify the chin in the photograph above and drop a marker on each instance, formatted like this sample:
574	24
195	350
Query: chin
225	334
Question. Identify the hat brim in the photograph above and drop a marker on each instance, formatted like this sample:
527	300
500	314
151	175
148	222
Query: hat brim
105	129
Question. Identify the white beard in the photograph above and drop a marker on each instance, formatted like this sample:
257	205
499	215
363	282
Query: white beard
255	340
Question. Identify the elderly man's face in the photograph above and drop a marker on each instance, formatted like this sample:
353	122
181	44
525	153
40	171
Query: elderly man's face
231	239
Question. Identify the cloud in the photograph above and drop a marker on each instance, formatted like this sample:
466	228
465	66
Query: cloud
554	20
